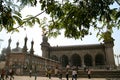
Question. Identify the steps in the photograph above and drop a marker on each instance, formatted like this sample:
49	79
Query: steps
100	74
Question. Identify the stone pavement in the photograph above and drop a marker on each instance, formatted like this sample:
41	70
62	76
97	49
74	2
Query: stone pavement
53	78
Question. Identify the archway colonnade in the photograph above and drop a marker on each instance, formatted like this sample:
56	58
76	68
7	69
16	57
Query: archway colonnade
80	60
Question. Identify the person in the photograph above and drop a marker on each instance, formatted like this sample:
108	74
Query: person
56	71
74	74
7	74
11	74
49	73
30	73
67	74
89	73
35	76
2	74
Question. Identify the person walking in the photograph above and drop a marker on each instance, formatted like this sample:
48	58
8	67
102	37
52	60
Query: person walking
74	74
49	73
11	74
89	73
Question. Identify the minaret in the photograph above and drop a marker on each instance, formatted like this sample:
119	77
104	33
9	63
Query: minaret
45	47
109	44
32	50
17	46
25	45
9	48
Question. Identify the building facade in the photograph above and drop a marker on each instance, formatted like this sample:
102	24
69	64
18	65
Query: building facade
22	61
94	55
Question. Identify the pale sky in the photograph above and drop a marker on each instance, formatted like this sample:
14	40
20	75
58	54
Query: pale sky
35	34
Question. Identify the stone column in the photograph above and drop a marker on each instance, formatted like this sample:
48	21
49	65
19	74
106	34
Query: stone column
93	62
82	59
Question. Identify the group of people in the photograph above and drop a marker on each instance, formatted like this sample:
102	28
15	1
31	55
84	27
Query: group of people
7	74
75	73
59	73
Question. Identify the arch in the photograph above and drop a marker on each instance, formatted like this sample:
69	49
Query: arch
64	60
76	60
54	57
99	59
88	60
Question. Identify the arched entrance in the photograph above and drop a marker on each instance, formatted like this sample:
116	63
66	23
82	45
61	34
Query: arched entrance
64	61
75	60
88	60
99	59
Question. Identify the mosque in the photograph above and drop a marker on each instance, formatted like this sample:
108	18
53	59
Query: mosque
93	55
97	56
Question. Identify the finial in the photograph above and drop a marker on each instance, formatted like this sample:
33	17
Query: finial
31	50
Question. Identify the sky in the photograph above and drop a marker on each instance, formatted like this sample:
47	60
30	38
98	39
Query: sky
35	34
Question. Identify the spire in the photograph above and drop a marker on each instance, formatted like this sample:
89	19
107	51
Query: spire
31	50
25	45
9	42
17	44
9	48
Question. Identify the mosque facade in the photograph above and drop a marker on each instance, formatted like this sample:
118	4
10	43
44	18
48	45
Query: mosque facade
93	55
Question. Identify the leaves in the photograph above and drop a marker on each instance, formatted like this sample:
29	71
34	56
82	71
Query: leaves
30	21
77	17
74	17
10	16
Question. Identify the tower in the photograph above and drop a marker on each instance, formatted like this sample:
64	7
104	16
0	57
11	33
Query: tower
25	45
109	44
31	50
9	48
109	52
45	46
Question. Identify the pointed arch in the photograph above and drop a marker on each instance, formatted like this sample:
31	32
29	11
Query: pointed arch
76	60
99	59
88	60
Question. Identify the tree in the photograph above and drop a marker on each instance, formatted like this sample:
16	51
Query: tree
74	16
10	15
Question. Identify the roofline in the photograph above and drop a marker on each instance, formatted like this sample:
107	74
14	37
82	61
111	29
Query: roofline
77	47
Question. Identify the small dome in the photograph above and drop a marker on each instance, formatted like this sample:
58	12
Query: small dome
17	49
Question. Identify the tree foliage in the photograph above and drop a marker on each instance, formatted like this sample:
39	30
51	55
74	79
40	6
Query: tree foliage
74	16
10	15
77	16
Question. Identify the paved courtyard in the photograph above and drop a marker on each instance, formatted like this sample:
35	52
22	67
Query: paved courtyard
53	78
